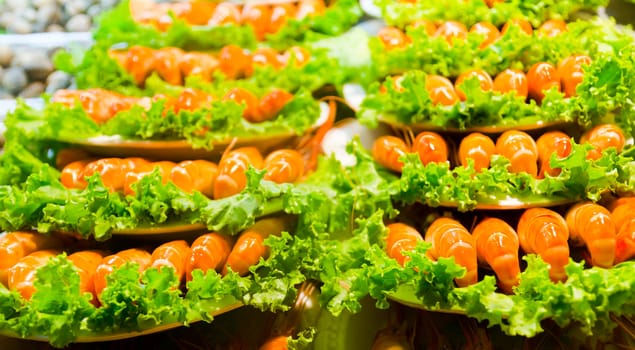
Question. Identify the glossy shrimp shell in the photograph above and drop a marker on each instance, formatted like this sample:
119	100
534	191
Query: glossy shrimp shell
284	166
623	215
451	239
401	238
477	147
603	136
497	246
521	151
86	262
22	275
591	224
552	142
430	147
544	232
110	262
16	245
280	342
195	175
208	252
387	150
173	254
232	169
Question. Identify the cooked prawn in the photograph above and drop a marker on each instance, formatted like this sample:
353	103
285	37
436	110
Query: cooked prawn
591	224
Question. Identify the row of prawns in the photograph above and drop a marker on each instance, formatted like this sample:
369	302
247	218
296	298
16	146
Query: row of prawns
221	180
541	77
608	234
174	65
102	105
264	17
23	253
524	154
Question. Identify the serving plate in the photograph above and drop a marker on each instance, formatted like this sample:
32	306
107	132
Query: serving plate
506	202
406	295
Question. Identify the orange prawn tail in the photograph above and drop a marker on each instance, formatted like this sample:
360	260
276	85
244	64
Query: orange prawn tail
387	150
401	238
521	151
279	342
22	275
544	232
16	245
284	166
232	169
208	252
477	147
602	137
451	239
173	254
591	224
431	147
497	245
549	143
625	242
86	262
110	262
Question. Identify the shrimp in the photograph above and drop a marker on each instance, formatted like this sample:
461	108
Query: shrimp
198	64
251	113
140	62
280	14
110	262
232	169
549	143
387	150
544	232
263	57
401	238
271	104
199	175
601	137
477	147
21	276
208	252
451	239
388	339
249	247
86	262
310	8
623	215
233	60
113	170
167	64
591	224
72	175
131	177
431	147
284	166
16	245
393	38
279	342
497	246
521	151
173	254
225	13
258	17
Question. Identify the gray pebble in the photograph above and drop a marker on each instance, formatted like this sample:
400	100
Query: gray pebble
47	14
54	28
107	4
32	90
4	94
94	11
35	62
1	72
57	80
16	4
14	79
19	25
79	23
6	55
75	7
29	14
43	3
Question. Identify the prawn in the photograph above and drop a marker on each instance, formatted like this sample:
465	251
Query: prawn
167	64
20	277
108	264
387	150
280	342
497	246
86	262
401	238
208	252
451	239
16	245
199	175
591	224
544	232
271	104
477	147
521	151
601	137
165	167
72	175
623	215
284	166
232	170
250	248
430	147
173	254
549	143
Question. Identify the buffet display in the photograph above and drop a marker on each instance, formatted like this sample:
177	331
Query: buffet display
467	165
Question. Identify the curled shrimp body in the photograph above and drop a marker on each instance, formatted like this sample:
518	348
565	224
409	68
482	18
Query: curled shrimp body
623	215
603	136
431	147
521	151
191	175
497	246
549	143
86	262
451	239
280	342
401	238
232	169
591	224
284	166
477	147
22	275
208	252
250	248
387	150
16	245
110	262
544	232
72	175
173	254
